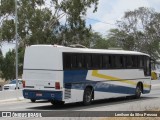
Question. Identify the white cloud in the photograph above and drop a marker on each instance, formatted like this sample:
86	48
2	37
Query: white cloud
110	11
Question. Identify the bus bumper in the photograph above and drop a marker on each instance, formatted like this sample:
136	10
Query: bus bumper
40	94
145	91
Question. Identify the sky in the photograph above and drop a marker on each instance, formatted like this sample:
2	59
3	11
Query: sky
109	11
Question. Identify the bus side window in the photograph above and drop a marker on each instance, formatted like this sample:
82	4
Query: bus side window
135	61
129	62
105	62
140	62
88	61
112	61
67	61
80	61
124	58
96	61
118	61
147	67
74	61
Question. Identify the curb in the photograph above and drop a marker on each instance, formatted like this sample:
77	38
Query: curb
13	99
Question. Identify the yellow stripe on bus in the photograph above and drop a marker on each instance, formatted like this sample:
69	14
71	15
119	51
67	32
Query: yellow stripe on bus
96	74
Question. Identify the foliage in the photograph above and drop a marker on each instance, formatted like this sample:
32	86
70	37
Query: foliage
139	30
97	41
75	30
120	39
1	60
38	24
8	66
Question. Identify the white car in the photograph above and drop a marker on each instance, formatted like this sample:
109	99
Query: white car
12	85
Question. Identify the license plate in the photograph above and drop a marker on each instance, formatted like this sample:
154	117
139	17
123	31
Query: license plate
38	94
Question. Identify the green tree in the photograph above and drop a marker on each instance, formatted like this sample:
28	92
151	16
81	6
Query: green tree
75	30
1	62
97	41
119	39
41	25
8	66
139	30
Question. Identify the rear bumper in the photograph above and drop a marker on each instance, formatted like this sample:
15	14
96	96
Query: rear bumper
41	94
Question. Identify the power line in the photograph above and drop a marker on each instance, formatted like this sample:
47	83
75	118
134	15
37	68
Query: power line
94	19
101	21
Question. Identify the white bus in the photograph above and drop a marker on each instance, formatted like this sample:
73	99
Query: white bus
65	75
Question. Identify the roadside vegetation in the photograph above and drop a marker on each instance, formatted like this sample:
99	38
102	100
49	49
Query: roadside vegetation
64	23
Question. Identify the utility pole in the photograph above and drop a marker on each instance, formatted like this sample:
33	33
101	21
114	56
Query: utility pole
16	45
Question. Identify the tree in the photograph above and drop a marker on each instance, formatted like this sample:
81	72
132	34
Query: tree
8	66
97	41
119	39
139	30
41	25
75	30
1	61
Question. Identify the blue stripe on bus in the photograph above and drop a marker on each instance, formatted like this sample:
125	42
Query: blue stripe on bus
111	88
48	95
71	76
105	87
146	91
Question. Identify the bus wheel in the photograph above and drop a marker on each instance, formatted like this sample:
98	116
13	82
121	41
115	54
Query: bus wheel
87	97
32	100
57	103
138	91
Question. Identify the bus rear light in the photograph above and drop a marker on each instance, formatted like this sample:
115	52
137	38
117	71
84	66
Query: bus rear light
23	83
57	85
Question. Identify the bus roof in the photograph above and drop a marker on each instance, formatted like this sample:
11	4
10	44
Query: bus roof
88	50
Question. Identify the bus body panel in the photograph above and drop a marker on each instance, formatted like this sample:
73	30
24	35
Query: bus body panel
42	69
42	79
43	94
106	83
42	58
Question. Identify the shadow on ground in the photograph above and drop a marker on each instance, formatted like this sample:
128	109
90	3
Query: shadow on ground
79	106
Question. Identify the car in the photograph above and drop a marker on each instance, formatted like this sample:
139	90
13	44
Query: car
12	85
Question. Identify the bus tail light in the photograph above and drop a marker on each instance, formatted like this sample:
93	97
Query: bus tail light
57	85
24	83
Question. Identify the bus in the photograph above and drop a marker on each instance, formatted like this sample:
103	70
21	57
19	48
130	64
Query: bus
65	75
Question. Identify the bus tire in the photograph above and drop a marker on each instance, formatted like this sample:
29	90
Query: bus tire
32	100
87	97
138	91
